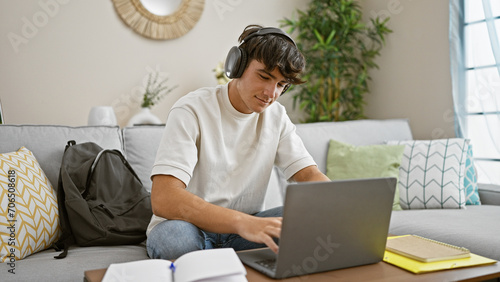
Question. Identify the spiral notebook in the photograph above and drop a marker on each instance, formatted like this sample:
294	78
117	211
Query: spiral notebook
416	266
425	250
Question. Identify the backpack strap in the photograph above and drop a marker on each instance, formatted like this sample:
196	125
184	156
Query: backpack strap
96	160
66	238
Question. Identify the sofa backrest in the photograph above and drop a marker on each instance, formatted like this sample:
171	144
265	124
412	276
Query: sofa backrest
47	142
140	143
317	136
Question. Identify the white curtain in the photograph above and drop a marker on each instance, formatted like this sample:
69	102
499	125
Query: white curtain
475	69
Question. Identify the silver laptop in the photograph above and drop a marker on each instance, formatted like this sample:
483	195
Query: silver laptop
327	226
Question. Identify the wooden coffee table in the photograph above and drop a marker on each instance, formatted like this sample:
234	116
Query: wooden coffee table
374	272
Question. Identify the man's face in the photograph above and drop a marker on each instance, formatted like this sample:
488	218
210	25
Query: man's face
256	89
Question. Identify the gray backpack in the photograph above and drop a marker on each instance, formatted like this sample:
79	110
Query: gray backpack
101	199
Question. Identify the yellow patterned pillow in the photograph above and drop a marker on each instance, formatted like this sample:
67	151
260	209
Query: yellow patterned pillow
29	218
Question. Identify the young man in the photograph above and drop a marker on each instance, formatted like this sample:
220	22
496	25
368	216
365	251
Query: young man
219	148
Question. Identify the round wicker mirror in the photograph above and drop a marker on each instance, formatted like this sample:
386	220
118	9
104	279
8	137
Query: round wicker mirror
157	26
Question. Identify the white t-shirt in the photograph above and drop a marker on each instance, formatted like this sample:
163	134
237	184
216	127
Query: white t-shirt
224	156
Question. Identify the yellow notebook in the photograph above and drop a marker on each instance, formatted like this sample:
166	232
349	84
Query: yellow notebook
416	266
425	250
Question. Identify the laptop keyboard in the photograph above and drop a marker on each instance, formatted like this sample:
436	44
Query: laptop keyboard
268	263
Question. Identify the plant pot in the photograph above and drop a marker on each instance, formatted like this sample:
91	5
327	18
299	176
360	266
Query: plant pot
144	117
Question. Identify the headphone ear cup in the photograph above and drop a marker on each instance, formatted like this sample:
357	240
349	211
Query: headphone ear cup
236	62
242	65
232	62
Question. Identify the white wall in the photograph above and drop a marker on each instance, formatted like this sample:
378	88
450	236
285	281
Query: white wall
414	77
71	55
83	55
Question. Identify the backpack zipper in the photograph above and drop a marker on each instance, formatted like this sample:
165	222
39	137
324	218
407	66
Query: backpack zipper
106	210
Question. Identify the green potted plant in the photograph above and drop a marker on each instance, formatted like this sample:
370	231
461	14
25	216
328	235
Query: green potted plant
340	50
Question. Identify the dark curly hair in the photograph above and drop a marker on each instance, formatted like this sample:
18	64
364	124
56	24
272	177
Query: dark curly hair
274	50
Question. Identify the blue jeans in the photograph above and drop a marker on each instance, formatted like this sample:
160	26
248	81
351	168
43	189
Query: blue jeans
171	239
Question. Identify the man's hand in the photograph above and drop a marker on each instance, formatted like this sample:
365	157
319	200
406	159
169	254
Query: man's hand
261	230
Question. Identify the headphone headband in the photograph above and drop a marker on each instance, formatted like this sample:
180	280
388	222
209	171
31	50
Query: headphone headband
269	30
236	60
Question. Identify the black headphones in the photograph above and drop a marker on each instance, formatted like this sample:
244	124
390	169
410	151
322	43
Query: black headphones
236	60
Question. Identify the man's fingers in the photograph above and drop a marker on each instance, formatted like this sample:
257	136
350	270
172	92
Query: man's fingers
269	241
273	231
263	230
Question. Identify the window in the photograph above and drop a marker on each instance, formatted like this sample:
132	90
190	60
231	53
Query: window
475	67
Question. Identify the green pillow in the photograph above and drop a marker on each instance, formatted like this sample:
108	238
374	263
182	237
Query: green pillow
346	161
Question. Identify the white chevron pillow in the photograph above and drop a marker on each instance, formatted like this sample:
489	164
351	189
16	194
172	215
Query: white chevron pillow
432	173
29	216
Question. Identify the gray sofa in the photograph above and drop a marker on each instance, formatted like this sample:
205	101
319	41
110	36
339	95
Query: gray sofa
476	227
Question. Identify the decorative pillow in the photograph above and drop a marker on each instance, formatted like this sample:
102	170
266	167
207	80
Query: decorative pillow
432	174
346	161
29	217
470	180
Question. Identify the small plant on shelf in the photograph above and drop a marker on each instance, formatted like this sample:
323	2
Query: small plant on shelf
156	89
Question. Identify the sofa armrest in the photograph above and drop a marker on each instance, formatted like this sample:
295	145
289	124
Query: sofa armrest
489	194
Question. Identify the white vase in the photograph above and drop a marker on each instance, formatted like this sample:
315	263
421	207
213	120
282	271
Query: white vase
102	115
144	117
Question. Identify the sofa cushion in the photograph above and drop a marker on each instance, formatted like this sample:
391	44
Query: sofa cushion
47	142
432	173
346	161
316	136
140	144
29	210
43	266
475	228
470	180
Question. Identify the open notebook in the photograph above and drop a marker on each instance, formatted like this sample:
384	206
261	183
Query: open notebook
221	265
